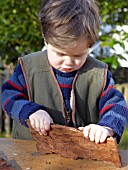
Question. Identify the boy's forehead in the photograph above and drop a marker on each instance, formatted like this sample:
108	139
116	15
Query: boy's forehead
71	51
81	47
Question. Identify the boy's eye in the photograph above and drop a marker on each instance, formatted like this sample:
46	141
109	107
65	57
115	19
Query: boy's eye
78	56
75	56
60	54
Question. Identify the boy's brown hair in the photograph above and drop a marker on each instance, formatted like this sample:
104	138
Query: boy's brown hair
65	21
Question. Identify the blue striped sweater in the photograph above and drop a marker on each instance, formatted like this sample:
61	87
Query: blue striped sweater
113	109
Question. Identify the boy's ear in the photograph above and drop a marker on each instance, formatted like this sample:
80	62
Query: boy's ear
45	42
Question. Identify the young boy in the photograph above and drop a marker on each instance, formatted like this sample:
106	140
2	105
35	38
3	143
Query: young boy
64	85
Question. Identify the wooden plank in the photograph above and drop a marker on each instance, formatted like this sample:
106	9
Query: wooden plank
22	154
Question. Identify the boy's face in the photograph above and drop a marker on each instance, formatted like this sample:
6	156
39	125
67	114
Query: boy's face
70	59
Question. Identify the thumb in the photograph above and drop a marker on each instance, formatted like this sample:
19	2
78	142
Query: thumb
51	121
80	128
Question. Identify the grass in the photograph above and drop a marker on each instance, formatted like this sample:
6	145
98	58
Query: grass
124	141
5	135
2	135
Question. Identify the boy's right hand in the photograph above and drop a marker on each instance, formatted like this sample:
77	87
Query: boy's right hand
40	121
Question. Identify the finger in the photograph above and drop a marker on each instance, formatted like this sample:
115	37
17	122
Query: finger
92	134
32	122
81	128
104	136
98	135
46	125
43	132
86	131
110	131
51	121
37	125
40	133
42	128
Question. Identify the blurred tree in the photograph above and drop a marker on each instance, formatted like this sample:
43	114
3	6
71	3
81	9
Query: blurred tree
113	33
20	30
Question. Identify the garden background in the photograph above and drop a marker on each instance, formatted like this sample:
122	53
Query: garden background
20	34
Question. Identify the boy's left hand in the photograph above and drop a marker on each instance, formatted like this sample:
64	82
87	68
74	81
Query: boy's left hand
96	133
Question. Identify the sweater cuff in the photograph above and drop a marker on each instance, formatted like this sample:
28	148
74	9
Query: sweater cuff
27	110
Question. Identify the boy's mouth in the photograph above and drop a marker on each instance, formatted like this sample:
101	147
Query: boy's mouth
67	69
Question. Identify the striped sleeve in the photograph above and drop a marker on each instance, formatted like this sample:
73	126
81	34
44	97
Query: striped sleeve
113	108
15	98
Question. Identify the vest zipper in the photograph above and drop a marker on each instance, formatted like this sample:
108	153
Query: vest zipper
62	100
65	113
73	100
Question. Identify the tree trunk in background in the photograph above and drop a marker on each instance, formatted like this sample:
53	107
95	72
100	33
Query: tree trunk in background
123	88
126	93
7	125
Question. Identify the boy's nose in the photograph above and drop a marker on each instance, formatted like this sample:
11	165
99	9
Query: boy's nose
69	60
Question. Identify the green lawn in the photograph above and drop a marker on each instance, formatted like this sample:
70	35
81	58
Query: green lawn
4	135
124	141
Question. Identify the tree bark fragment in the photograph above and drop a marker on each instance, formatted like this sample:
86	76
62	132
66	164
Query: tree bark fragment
69	142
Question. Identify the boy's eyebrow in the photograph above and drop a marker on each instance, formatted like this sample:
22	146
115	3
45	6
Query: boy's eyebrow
80	53
57	51
72	55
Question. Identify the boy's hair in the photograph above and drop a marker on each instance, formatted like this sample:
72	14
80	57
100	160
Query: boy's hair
65	21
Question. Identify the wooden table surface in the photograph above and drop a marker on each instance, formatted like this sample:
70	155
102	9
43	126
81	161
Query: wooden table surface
22	154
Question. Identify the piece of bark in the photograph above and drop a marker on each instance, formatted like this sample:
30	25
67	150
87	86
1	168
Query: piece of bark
70	142
4	165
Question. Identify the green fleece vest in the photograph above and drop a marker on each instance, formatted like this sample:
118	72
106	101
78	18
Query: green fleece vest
43	89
